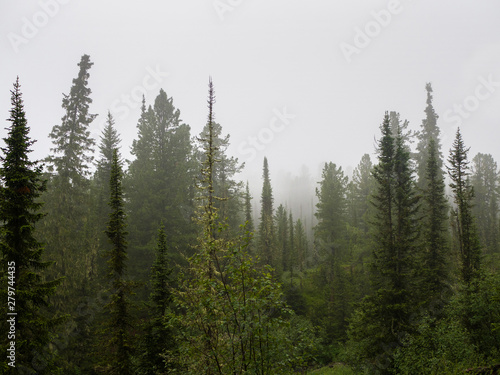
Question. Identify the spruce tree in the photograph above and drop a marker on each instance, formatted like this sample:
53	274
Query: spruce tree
360	189
329	237
428	130
234	312
302	248
382	321
267	245
248	209
110	141
119	347
158	344
485	180
68	198
464	221
160	186
331	211
68	201
225	186
292	248
435	228
25	291
282	239
72	138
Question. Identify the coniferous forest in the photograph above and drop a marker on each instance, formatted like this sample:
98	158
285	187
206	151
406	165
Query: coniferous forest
158	264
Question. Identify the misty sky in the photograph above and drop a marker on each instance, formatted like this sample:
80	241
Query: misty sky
309	81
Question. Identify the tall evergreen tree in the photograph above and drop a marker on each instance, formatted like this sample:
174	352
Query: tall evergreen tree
118	345
68	198
428	130
282	239
291	263
435	228
110	141
233	309
248	209
485	180
329	237
383	319
225	186
100	210
72	138
302	247
25	291
158	345
68	201
160	186
360	189
331	211
466	232
267	245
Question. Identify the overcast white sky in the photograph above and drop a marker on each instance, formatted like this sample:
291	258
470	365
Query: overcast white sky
265	57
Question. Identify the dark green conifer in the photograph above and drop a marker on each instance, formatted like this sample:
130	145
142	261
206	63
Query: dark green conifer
428	130
118	345
248	209
25	291
466	232
435	220
158	350
267	246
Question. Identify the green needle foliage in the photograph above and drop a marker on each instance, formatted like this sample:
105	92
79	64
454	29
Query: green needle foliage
435	254
267	240
158	350
117	330
22	265
382	321
234	313
465	227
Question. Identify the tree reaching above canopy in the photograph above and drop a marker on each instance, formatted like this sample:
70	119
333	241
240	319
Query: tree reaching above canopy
72	142
468	241
21	186
428	131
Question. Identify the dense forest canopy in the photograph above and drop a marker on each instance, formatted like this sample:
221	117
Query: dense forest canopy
249	187
162	263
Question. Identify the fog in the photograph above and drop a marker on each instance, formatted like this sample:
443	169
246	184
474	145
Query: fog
302	83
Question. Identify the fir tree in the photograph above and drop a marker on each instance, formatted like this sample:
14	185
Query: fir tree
382	321
485	181
267	247
282	239
360	189
119	316
292	248
435	227
233	309
248	209
68	198
158	348
160	185
331	211
110	141
302	247
72	138
100	209
467	238
225	186
24	287
428	130
68	201
329	236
